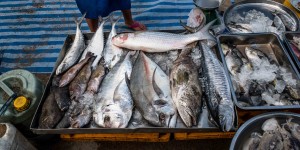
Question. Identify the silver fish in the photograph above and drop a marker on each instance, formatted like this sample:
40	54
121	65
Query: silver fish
75	50
289	142
294	129
186	89
151	93
113	105
271	140
112	53
234	61
96	79
287	20
96	44
150	41
78	86
255	56
279	24
72	72
218	95
240	27
253	142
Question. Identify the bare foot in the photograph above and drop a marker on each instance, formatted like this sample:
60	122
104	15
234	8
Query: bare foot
137	26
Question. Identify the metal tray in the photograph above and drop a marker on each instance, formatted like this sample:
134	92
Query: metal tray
287	36
265	6
179	127
254	125
271	42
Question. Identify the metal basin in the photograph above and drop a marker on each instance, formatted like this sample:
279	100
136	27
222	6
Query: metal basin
254	125
208	4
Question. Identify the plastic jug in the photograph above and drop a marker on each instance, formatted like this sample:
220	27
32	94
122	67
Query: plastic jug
29	90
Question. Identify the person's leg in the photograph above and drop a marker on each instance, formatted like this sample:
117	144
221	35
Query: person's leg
130	22
93	24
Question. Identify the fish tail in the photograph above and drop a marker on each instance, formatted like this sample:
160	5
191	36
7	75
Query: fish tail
204	34
78	22
190	29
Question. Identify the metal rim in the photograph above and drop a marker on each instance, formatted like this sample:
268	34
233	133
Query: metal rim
250	121
297	61
208	8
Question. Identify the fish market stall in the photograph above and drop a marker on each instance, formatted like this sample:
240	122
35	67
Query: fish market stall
153	83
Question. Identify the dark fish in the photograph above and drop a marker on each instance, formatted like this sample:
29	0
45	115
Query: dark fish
271	140
62	97
51	114
78	86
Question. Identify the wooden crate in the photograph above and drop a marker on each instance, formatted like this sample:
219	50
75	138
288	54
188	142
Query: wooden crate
205	135
138	137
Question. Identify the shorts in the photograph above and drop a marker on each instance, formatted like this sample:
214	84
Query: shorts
96	8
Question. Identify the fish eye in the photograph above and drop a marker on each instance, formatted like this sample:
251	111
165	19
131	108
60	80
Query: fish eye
221	117
162	116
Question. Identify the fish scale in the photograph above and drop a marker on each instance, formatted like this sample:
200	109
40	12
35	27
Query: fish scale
217	90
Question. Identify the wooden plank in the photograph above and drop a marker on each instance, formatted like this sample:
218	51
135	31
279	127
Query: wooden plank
211	135
138	137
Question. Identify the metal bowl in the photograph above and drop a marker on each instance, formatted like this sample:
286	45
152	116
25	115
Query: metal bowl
208	4
294	3
264	6
254	125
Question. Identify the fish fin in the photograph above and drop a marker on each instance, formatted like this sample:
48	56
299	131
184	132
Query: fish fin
190	29
157	90
127	79
116	96
204	34
78	22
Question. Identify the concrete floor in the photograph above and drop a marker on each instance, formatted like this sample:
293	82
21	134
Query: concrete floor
57	144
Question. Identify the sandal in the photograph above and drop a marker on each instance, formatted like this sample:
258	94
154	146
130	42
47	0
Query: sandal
137	26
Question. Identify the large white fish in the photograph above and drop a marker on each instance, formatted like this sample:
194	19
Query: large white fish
113	105
75	50
112	53
151	92
96	44
151	41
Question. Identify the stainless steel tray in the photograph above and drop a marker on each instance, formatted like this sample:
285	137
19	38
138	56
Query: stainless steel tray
265	6
179	127
268	41
288	36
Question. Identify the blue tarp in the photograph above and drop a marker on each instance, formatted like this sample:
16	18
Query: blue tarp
32	34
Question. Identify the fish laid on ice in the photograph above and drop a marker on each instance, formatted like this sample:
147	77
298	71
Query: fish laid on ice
186	89
150	41
253	142
75	50
112	53
287	20
271	140
78	86
96	44
234	61
218	95
151	92
113	105
72	72
294	128
240	27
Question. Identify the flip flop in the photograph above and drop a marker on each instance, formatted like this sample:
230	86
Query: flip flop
135	25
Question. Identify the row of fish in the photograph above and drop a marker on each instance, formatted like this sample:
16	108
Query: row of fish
275	136
258	79
254	21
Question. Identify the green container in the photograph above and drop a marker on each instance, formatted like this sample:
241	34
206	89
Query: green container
23	83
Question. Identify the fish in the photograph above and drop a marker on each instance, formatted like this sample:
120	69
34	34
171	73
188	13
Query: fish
196	18
72	72
294	128
218	95
293	92
113	104
234	61
96	78
78	86
279	24
240	27
62	97
151	92
295	49
253	142
96	44
51	114
137	120
152	41
73	54
186	89
270	124
84	107
289	142
287	20
65	122
271	140
255	56
111	53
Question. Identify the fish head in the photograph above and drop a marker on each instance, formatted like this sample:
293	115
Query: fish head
113	117
254	53
225	120
292	126
123	40
165	111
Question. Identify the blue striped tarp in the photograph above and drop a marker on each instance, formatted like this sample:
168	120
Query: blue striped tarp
32	35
